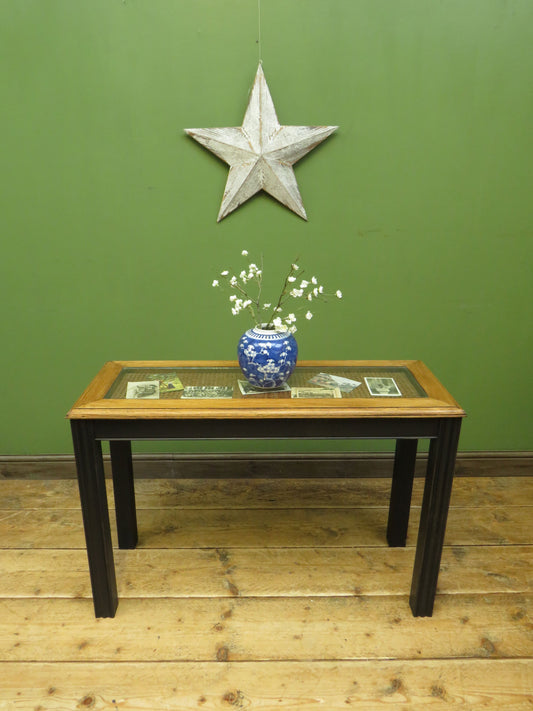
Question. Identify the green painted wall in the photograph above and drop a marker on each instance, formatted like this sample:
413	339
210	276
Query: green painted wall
419	207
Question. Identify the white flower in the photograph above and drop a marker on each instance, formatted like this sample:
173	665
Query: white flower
246	291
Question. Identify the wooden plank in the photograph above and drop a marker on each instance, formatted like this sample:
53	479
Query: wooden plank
23	494
254	629
282	408
260	493
249	464
274	572
489	684
282	528
327	493
321	527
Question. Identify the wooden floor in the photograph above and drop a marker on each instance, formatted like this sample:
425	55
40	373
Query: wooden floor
266	595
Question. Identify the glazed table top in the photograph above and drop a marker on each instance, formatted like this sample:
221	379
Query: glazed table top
418	392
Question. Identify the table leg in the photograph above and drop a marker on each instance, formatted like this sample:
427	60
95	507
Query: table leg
401	490
433	516
123	487
93	497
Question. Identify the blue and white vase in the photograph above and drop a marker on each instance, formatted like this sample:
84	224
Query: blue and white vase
267	357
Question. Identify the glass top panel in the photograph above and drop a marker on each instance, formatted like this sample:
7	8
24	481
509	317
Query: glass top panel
376	382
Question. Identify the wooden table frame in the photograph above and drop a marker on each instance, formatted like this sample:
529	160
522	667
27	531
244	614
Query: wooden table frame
95	419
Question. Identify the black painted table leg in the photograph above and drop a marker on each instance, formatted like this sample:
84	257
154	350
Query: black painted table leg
93	497
401	491
123	487
433	516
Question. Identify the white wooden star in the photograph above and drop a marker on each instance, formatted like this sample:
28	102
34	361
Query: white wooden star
261	152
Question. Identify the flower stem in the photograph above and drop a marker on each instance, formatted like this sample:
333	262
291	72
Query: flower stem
277	308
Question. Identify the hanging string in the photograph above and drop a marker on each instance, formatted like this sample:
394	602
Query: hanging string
259	31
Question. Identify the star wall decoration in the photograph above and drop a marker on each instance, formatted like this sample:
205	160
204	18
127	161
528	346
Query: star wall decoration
261	152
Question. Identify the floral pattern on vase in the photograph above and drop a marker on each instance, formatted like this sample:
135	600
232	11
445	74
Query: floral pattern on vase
267	357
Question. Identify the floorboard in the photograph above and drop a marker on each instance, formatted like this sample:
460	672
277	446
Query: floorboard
488	684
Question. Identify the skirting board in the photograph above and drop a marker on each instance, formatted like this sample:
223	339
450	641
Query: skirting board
250	466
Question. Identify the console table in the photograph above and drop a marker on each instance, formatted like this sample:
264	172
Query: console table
420	408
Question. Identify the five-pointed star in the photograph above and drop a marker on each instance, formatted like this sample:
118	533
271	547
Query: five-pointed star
261	152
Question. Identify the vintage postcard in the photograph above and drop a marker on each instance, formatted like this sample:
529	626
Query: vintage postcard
382	387
247	388
315	392
145	390
207	392
325	380
170	384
